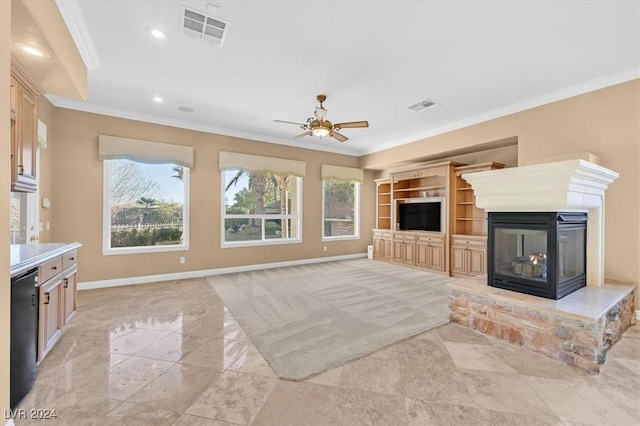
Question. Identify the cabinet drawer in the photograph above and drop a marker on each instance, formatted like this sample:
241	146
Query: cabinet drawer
381	234
469	242
428	239
405	238
50	269
69	259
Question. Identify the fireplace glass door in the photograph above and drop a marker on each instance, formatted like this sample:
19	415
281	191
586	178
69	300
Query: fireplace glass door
542	254
521	253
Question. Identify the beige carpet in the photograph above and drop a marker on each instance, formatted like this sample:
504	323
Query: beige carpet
310	318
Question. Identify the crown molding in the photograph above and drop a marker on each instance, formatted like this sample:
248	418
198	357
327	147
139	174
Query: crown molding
75	23
579	89
62	102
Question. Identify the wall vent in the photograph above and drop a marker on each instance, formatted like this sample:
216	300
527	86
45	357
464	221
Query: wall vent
421	106
200	26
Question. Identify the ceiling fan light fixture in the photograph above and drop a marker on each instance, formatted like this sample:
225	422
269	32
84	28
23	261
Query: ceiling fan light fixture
321	128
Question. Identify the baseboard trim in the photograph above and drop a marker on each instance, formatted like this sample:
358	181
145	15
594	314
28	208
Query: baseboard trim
89	285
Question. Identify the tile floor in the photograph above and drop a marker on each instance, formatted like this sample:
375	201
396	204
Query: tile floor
171	353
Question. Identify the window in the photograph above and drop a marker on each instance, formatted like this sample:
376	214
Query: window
146	207
340	209
260	208
340	202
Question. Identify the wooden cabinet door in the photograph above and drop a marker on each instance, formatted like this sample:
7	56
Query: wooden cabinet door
50	323
410	253
436	257
387	248
477	261
459	260
24	116
398	251
378	247
422	255
69	291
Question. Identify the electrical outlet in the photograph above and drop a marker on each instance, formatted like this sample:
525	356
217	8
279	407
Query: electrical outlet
324	248
183	259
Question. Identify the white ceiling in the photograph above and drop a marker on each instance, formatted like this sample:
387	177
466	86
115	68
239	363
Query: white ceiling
373	59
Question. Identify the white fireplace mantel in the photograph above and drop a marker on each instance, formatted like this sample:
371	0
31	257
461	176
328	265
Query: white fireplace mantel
571	185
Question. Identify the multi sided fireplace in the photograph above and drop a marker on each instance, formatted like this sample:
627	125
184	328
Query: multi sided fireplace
542	254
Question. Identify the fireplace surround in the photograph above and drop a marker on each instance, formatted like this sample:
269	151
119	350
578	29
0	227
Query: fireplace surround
579	328
537	253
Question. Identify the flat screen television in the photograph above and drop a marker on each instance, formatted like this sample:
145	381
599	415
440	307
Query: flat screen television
420	216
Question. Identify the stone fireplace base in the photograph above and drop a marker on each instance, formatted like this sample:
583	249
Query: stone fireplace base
578	329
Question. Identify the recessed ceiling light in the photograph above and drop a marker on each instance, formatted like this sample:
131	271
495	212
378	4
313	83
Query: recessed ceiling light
186	109
33	50
157	99
156	32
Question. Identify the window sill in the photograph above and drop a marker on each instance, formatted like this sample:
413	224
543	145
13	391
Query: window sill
240	244
143	250
345	238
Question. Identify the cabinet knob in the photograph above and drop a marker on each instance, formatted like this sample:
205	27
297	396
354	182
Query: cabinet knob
47	298
20	169
66	283
72	258
54	268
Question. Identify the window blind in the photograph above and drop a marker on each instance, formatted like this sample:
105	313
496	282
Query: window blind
115	148
349	174
260	164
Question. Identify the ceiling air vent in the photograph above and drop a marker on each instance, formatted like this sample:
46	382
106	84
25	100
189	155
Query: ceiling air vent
200	26
421	106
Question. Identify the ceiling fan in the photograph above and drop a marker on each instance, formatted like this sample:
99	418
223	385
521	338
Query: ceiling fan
321	127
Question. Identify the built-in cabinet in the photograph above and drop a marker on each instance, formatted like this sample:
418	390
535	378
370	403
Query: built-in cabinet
58	299
24	94
468	255
460	248
382	244
430	252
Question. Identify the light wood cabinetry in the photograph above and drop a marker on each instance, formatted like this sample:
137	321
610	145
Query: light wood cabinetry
383	206
404	248
58	299
24	129
51	322
469	219
430	252
468	255
382	244
460	249
469	239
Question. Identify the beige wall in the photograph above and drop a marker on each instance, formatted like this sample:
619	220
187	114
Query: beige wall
45	114
5	188
77	199
604	122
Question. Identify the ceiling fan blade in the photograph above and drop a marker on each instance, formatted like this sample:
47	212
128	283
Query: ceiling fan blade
351	124
302	135
338	136
290	122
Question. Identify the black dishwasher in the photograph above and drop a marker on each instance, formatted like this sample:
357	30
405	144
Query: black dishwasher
24	334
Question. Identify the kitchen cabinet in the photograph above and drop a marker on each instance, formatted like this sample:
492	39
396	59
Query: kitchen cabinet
24	94
468	256
58	299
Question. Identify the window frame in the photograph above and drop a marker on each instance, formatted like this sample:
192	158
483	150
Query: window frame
263	242
107	250
356	215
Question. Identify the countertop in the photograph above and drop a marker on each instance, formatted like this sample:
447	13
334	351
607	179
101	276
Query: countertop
28	256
